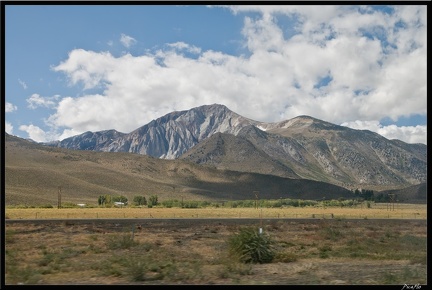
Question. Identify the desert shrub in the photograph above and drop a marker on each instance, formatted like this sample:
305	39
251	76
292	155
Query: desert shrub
170	203
331	233
285	257
122	241
324	251
206	203
10	236
232	268
69	205
250	246
23	275
136	269
191	204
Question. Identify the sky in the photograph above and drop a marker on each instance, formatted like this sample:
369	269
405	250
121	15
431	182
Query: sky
76	68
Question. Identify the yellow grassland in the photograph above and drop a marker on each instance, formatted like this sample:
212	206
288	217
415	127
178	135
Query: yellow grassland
396	211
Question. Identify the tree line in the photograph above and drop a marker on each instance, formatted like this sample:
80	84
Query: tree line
140	200
369	195
108	200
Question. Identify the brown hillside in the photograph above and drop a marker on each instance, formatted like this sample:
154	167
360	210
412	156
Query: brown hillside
34	173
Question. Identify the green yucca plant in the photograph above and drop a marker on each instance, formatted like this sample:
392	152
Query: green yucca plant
251	246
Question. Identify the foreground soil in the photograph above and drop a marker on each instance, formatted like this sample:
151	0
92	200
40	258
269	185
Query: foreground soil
195	251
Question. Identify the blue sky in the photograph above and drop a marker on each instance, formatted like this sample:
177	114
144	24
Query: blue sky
72	69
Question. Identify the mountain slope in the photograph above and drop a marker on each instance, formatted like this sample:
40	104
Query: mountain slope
34	174
318	150
366	157
226	151
302	147
412	194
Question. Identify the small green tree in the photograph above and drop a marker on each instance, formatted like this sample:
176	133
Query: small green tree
120	198
108	199
153	200
139	200
101	200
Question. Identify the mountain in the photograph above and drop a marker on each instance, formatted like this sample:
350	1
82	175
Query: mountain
167	137
35	173
303	147
318	150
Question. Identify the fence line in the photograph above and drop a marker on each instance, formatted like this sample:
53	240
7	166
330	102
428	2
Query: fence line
39	215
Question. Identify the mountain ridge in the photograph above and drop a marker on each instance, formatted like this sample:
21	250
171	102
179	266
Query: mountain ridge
302	147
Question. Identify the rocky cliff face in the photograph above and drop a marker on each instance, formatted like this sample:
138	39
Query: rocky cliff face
167	137
94	141
302	147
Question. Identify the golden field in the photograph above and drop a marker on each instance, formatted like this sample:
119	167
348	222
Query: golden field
398	211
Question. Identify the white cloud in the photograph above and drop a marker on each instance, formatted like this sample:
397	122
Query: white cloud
10	107
23	84
184	46
66	134
408	134
35	133
8	128
375	70
35	101
127	40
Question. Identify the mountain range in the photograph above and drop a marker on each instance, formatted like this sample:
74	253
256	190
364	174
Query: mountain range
34	174
300	148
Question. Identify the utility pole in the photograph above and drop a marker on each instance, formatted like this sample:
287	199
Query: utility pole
256	193
392	200
59	197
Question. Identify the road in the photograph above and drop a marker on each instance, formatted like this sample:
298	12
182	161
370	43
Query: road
192	222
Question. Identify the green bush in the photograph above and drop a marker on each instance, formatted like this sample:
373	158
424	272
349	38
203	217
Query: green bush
250	246
191	204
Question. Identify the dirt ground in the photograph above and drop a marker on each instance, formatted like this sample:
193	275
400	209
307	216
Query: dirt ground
194	252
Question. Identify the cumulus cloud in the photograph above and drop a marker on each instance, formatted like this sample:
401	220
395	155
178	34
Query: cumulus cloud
338	63
35	133
35	101
127	40
8	128
9	107
409	134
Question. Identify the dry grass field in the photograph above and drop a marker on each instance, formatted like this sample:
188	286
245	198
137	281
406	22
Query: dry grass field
138	247
399	211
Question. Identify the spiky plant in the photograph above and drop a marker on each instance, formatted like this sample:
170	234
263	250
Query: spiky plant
251	246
